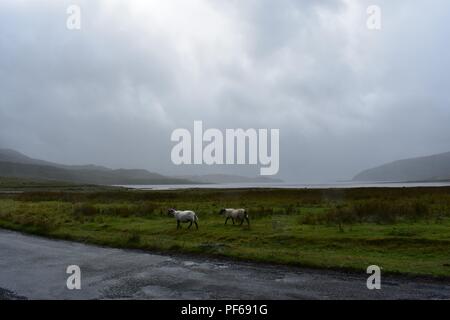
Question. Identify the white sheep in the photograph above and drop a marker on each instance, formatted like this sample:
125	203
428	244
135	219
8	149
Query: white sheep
183	217
235	214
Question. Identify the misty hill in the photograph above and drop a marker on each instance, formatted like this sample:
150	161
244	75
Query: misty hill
15	164
8	155
429	168
226	178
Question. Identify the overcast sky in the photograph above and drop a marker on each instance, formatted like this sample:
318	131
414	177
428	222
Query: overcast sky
344	97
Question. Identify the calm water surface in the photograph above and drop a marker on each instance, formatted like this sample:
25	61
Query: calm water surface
288	185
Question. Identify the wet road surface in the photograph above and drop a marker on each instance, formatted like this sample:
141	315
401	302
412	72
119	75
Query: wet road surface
35	268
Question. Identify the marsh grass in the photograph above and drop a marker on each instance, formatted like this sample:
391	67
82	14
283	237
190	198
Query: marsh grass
376	211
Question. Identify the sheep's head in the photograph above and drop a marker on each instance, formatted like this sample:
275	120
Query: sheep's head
222	211
171	211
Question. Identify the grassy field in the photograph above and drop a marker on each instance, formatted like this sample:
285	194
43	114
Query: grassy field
404	230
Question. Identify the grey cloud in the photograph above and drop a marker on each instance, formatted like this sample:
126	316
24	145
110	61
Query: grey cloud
345	98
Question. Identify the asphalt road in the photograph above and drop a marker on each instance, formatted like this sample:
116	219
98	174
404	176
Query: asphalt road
35	268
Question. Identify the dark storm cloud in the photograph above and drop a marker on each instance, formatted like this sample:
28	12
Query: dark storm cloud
344	97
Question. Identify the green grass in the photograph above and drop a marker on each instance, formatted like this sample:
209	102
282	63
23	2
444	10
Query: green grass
402	230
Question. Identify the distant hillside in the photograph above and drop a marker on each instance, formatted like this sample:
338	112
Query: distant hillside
225	178
15	164
429	168
8	155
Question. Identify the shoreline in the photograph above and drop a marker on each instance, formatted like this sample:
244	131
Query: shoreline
288	186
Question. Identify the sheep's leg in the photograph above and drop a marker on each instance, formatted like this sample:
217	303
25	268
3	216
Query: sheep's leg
226	220
248	221
178	224
196	225
242	221
232	219
190	225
